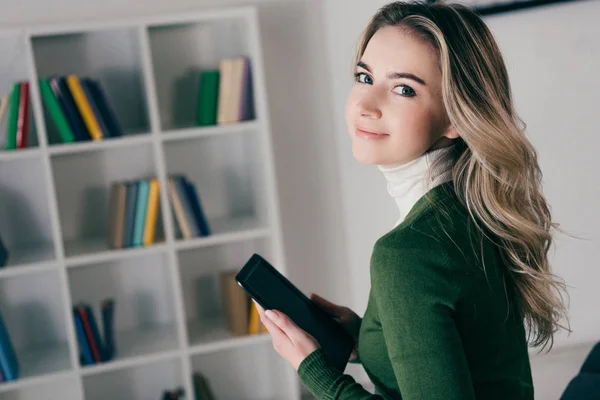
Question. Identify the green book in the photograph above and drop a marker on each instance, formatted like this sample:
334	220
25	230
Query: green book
13	117
56	112
208	97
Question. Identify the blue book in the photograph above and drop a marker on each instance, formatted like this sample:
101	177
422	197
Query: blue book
140	212
85	86
84	346
109	117
9	364
130	213
3	254
108	312
186	204
95	331
196	206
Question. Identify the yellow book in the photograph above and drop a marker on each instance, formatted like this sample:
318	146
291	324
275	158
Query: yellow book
89	118
254	320
151	213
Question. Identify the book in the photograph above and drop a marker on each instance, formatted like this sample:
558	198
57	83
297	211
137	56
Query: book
177	205
132	188
84	107
65	98
106	112
9	363
56	112
208	97
196	206
140	212
108	312
236	303
23	115
118	206
3	254
151	213
84	345
13	117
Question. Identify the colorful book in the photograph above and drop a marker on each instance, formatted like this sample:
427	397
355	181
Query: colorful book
130	213
65	98
83	105
151	213
3	254
95	107
13	117
208	97
246	109
225	88
95	347
118	207
104	108
23	116
140	211
186	204
9	363
180	216
3	107
84	346
196	206
108	311
56	112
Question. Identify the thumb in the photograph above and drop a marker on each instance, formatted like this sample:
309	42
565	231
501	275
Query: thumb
326	305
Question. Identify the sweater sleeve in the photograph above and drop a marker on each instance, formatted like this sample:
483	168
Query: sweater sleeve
416	290
415	294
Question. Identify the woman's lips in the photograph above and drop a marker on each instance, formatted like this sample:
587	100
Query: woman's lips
370	135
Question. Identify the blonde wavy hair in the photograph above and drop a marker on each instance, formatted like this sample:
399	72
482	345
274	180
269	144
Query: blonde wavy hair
496	173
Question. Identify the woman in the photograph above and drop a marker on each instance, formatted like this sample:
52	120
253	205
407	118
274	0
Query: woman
462	281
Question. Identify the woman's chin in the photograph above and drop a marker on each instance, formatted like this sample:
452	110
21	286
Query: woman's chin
367	157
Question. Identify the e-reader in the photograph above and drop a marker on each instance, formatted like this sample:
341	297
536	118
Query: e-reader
271	290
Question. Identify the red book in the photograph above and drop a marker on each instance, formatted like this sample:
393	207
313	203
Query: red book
23	116
88	333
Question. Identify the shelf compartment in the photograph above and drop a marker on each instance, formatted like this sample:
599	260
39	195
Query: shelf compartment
179	51
15	68
63	385
112	58
204	301
33	313
137	382
83	185
233	373
26	227
144	309
228	176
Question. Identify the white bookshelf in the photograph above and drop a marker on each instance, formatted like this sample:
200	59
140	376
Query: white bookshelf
54	213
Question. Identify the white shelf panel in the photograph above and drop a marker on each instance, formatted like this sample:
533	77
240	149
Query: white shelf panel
11	271
19	154
225	230
204	131
97	145
25	384
91	251
138	347
44	360
26	255
212	335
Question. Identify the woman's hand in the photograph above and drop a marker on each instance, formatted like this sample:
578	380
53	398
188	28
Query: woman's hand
345	316
289	341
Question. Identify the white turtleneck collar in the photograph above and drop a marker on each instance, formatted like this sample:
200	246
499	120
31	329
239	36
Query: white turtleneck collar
407	183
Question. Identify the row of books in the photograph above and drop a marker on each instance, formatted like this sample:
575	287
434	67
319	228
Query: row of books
225	94
93	348
9	363
14	106
79	108
240	311
135	209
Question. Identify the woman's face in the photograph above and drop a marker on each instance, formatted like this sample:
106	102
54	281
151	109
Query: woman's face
394	111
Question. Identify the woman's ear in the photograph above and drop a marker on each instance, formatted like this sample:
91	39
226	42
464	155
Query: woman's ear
451	133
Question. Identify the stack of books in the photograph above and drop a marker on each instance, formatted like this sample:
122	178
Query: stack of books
93	348
240	311
134	210
225	94
15	105
79	108
9	364
187	207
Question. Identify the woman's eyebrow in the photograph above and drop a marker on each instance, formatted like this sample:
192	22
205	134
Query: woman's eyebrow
395	75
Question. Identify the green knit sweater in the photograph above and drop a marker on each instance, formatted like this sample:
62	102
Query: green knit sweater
438	325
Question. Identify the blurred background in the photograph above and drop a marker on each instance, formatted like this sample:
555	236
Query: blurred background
332	209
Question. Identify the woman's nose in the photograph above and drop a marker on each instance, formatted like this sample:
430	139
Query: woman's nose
368	107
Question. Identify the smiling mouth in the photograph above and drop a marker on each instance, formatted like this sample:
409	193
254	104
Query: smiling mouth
365	134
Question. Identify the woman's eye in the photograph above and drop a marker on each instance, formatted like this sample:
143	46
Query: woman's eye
361	77
404	90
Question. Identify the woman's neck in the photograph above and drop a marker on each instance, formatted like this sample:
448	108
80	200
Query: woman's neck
409	182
